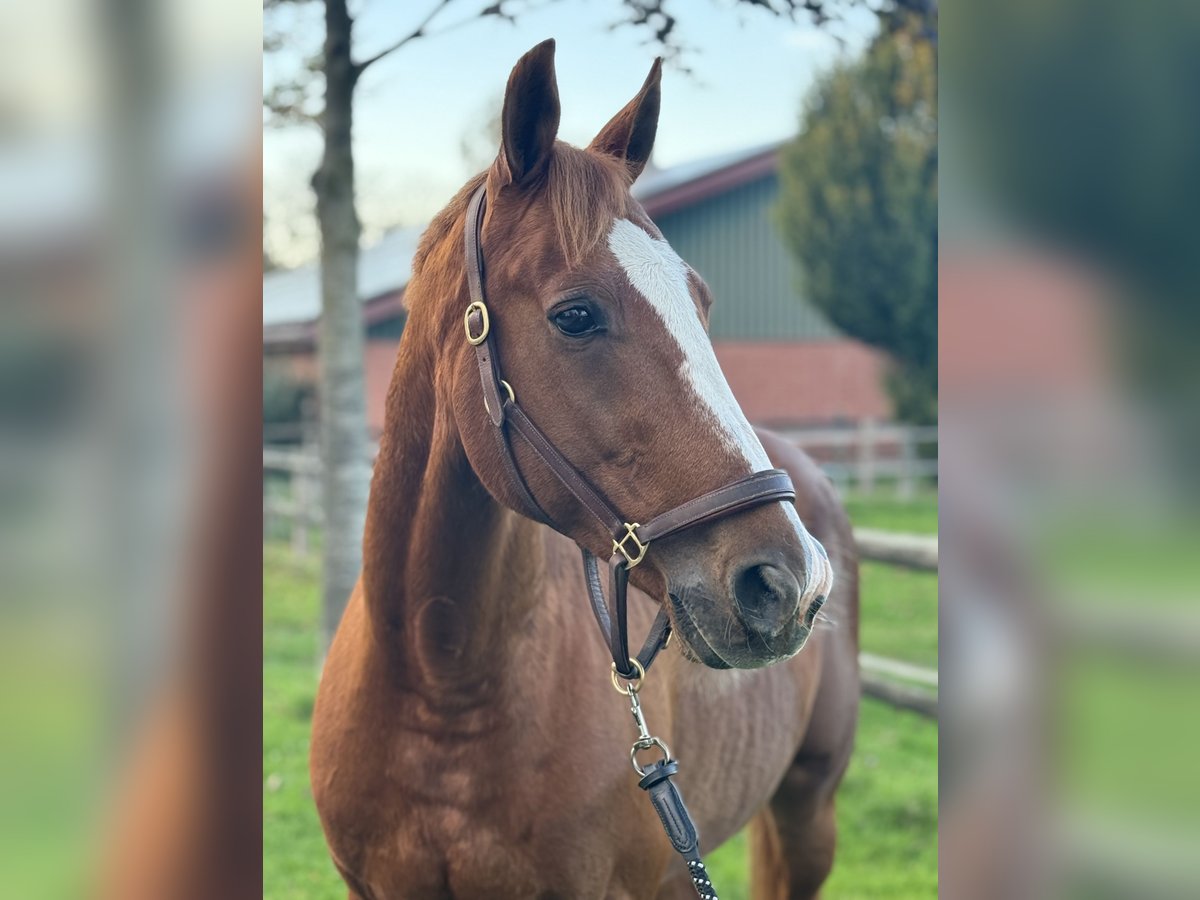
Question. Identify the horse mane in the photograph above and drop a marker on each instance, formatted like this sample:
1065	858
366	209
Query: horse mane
444	223
585	191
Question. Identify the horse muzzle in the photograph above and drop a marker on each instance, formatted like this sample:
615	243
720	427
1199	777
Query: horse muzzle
755	613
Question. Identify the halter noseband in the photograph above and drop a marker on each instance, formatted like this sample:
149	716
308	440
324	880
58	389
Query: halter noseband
630	540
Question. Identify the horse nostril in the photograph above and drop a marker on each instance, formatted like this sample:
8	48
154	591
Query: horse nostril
768	598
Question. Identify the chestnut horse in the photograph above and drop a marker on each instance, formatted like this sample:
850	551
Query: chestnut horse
466	739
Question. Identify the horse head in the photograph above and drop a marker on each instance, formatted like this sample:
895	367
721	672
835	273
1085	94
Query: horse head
602	330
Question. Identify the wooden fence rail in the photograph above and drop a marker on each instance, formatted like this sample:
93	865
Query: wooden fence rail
911	551
870	453
898	694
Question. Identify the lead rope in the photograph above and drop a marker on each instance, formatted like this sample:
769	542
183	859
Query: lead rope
664	794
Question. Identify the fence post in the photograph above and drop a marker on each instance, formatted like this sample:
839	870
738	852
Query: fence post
268	512
302	494
906	485
866	455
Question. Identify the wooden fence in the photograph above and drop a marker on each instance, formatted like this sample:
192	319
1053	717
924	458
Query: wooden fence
291	486
291	494
867	456
895	682
870	455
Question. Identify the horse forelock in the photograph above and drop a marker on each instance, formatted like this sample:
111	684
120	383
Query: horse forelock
583	192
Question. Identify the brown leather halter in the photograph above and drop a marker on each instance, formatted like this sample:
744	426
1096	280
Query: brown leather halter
630	540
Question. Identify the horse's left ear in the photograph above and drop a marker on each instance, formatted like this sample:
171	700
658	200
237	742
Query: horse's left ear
630	134
529	122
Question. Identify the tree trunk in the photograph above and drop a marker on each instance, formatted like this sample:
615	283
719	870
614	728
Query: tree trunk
343	415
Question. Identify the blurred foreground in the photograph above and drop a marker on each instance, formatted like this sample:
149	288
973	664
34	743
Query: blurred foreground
130	189
1069	405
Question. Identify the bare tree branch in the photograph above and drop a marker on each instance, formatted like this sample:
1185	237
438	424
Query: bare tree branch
653	15
662	25
292	98
500	10
289	103
417	32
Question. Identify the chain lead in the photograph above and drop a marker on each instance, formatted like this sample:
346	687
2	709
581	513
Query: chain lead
645	740
664	795
635	707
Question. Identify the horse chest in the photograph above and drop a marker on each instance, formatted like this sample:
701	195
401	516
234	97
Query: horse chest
495	815
528	832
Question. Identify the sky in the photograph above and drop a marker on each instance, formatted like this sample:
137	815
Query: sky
749	73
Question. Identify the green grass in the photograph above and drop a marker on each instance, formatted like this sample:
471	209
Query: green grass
887	805
296	864
887	816
898	614
918	515
899	607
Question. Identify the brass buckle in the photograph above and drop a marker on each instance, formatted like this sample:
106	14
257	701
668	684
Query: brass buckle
640	548
476	339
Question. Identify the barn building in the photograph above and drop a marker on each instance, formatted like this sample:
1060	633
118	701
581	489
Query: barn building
786	364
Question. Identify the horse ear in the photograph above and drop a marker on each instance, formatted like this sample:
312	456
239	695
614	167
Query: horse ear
630	133
530	119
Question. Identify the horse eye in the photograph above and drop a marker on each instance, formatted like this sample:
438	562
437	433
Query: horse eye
575	321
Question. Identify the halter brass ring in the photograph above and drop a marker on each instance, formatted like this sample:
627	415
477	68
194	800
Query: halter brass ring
632	685
476	339
512	398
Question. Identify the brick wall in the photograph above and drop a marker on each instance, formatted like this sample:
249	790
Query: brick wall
805	383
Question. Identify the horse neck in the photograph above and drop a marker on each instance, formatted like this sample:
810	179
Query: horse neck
446	569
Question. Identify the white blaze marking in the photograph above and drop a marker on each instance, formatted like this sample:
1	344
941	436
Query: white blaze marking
661	277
